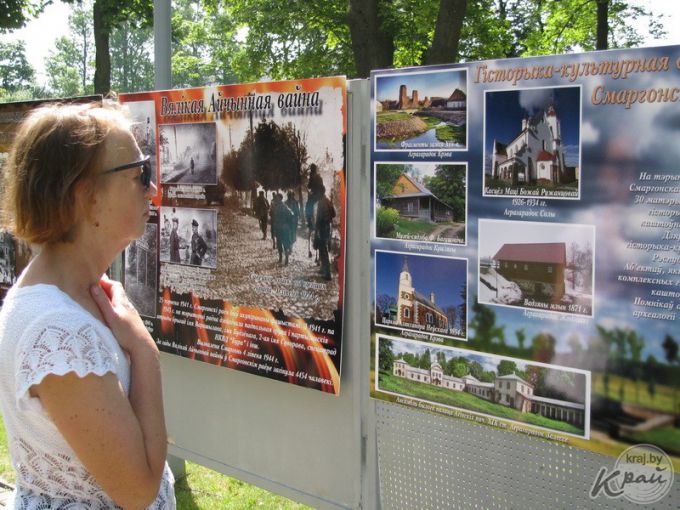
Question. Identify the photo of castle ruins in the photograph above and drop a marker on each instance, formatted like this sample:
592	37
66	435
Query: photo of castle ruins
421	111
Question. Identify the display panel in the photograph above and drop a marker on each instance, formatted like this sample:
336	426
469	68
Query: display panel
566	318
249	226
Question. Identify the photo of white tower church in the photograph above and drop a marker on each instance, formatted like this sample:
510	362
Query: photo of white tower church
535	155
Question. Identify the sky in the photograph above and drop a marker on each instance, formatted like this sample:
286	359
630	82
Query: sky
41	33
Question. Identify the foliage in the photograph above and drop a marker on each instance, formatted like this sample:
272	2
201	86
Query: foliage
15	71
448	185
131	63
385	355
386	178
570	25
69	65
272	155
484	324
506	367
385	219
16	13
384	302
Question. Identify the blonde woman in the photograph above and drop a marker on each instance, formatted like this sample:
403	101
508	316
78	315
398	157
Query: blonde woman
80	383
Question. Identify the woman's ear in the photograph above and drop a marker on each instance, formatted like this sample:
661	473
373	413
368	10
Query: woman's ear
85	194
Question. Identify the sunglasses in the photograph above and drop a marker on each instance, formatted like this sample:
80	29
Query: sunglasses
145	176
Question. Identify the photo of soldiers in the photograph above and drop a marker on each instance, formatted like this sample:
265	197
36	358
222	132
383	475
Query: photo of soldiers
325	213
261	210
192	240
198	246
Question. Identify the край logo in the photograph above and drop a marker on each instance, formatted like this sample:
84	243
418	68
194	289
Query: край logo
642	474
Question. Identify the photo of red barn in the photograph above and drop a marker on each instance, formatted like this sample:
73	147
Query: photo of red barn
538	268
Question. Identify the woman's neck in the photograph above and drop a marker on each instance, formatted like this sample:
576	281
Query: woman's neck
72	267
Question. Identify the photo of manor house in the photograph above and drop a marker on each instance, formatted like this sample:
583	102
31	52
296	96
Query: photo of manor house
532	142
508	390
418	293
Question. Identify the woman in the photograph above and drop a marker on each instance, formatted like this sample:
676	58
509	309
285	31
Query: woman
80	384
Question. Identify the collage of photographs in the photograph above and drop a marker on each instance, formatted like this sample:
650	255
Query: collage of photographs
524	251
440	271
249	216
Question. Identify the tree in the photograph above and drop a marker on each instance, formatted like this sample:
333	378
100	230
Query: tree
506	367
69	65
384	302
543	347
425	360
649	374
131	64
448	184
586	25
484	324
670	347
15	71
16	13
385	355
635	345
386	177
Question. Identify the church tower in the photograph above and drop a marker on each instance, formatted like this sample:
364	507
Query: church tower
405	300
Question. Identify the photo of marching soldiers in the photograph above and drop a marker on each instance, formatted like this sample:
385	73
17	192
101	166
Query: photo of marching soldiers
280	212
143	127
189	236
188	153
141	271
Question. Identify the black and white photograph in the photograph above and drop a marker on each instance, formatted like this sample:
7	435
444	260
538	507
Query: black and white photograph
7	260
188	153
141	271
544	266
189	236
143	127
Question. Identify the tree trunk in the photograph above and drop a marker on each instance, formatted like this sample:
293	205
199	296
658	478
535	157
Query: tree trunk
372	45
444	47
602	25
102	60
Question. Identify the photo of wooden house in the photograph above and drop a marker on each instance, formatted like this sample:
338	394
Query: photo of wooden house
538	268
414	201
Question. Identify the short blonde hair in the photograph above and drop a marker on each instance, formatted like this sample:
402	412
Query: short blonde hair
55	148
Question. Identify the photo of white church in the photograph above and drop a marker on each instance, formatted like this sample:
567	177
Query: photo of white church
532	142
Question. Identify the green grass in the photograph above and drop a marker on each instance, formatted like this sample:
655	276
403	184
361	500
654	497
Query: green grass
205	489
666	438
391	116
414	227
450	133
430	121
464	400
636	393
201	489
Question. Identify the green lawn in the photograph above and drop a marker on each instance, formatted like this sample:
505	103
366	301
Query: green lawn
391	116
414	227
636	393
430	121
450	133
666	438
464	400
201	489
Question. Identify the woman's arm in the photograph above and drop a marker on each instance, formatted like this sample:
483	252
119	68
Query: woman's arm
122	442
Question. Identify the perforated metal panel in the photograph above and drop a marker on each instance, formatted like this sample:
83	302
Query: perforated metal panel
429	462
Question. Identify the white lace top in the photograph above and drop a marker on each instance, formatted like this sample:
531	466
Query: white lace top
43	331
